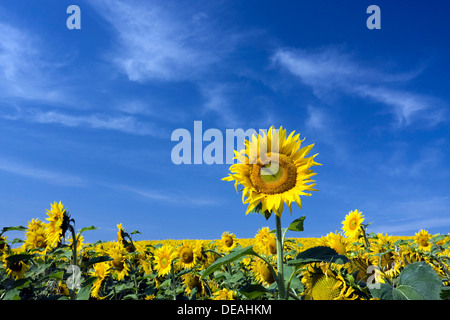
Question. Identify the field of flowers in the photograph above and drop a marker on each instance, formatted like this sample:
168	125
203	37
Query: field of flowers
51	260
46	265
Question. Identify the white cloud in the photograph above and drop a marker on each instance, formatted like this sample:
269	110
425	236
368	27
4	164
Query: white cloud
122	123
158	41
51	177
330	71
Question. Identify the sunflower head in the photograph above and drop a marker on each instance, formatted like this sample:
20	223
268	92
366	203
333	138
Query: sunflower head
58	223
224	294
163	257
324	281
15	269
262	272
422	239
35	235
228	241
273	170
352	224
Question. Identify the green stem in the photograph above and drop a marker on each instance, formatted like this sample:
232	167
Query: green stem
280	275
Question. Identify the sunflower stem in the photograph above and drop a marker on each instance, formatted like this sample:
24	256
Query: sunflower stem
280	275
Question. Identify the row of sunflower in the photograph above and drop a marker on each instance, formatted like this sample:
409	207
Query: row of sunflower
350	264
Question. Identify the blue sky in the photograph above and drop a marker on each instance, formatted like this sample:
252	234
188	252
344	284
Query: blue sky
86	115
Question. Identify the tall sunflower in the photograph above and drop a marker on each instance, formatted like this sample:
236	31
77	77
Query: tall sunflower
274	170
58	223
352	224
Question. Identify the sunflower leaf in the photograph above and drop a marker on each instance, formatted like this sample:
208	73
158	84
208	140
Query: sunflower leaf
253	291
232	256
297	224
318	254
87	229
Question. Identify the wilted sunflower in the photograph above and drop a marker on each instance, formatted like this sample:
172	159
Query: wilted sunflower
273	170
352	224
57	225
163	257
323	281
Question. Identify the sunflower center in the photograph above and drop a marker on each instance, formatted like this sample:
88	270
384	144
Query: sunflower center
118	264
15	266
273	176
423	241
187	255
325	289
228	241
40	242
164	262
353	224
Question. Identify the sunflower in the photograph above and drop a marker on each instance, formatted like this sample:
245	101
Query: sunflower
228	241
15	269
101	271
337	242
352	224
324	281
57	225
119	255
262	272
192	281
265	242
188	254
273	169
35	235
224	294
3	245
163	257
422	238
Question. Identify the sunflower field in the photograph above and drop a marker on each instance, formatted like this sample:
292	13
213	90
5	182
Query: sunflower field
52	262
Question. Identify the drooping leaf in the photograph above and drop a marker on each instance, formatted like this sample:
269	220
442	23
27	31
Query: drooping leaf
87	229
318	254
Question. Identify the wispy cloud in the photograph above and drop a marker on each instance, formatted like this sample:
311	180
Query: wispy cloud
48	176
171	197
123	123
331	71
26	69
158	41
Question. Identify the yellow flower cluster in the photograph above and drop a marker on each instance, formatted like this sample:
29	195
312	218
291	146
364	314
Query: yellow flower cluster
166	269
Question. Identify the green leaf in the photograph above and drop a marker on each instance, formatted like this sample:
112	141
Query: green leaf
135	232
232	256
297	224
19	257
253	291
258	209
87	229
13	294
317	254
85	291
16	228
417	281
97	260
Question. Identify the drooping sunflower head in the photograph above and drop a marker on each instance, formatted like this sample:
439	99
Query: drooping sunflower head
338	242
265	242
274	170
101	271
192	281
352	223
262	272
58	223
15	269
